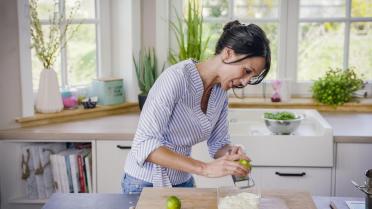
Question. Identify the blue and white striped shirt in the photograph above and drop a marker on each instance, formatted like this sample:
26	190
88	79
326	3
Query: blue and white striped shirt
172	117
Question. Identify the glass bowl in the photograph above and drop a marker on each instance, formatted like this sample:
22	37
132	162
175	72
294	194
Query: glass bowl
238	198
284	127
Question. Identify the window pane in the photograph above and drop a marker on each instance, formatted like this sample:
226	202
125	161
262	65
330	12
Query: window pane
85	9
321	46
215	8
214	30
256	8
37	66
322	8
81	56
360	48
361	8
272	33
46	8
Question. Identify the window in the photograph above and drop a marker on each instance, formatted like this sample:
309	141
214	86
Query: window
307	36
334	33
77	63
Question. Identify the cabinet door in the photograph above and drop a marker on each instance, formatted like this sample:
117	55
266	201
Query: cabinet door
317	181
352	161
111	157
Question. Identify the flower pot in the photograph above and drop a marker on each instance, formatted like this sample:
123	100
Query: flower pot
141	100
49	99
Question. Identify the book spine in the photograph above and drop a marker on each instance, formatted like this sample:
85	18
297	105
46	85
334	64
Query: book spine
81	174
69	175
88	173
74	173
63	173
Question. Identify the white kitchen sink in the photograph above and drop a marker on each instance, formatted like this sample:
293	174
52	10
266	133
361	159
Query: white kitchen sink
311	145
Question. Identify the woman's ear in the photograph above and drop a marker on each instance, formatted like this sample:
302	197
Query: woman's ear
227	54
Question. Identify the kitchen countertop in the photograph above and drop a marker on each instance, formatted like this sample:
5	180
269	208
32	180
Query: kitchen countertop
348	128
113	201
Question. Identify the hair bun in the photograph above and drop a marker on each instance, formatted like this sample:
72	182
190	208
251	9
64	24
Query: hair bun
231	24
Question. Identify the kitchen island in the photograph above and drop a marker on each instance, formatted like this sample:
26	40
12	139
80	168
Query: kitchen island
121	201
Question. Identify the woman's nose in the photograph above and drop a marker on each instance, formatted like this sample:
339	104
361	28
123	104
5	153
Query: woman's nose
244	81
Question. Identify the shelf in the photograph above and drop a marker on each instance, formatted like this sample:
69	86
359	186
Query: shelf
364	105
76	114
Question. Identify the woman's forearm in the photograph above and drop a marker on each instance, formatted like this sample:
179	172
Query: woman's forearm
170	159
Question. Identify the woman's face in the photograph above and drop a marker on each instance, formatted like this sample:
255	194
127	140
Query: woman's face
240	73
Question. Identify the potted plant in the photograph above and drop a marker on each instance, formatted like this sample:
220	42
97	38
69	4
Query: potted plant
147	72
189	31
336	87
47	45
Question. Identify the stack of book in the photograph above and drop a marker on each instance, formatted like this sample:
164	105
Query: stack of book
50	167
72	171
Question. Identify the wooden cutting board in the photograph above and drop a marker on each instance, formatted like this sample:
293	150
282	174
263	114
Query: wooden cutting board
200	198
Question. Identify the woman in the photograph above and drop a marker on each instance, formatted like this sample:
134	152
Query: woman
188	104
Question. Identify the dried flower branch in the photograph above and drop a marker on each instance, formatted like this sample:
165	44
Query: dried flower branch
60	32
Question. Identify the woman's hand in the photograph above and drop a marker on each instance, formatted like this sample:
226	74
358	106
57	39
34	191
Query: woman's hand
226	165
238	149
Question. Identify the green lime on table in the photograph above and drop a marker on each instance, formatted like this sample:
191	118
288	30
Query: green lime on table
245	163
173	202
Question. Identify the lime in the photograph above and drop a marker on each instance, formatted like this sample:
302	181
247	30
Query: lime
245	163
173	202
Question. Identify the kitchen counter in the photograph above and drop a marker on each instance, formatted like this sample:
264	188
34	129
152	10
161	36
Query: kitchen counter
113	201
348	128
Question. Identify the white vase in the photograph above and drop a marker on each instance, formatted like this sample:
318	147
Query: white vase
49	99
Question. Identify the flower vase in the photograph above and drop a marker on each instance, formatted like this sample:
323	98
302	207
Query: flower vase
49	99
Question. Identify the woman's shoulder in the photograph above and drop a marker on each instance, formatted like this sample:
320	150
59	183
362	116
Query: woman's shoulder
177	73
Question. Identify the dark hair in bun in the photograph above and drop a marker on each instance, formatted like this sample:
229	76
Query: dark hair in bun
249	40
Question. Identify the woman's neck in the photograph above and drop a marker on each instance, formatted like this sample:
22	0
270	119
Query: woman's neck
208	72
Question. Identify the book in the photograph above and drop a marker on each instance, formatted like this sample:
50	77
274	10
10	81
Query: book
88	172
75	172
62	169
81	173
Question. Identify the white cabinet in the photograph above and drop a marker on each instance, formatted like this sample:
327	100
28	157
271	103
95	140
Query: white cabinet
111	156
352	161
317	181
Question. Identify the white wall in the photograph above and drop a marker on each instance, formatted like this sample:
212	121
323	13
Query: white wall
10	91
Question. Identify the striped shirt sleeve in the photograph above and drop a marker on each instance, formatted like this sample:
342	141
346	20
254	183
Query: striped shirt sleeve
220	134
155	114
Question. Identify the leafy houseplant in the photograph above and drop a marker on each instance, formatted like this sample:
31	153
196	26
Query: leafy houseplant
188	33
336	87
47	47
147	72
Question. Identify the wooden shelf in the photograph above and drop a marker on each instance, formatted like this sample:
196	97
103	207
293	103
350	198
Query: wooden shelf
76	114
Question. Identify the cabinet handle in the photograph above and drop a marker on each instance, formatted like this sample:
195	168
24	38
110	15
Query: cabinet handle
290	174
123	147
